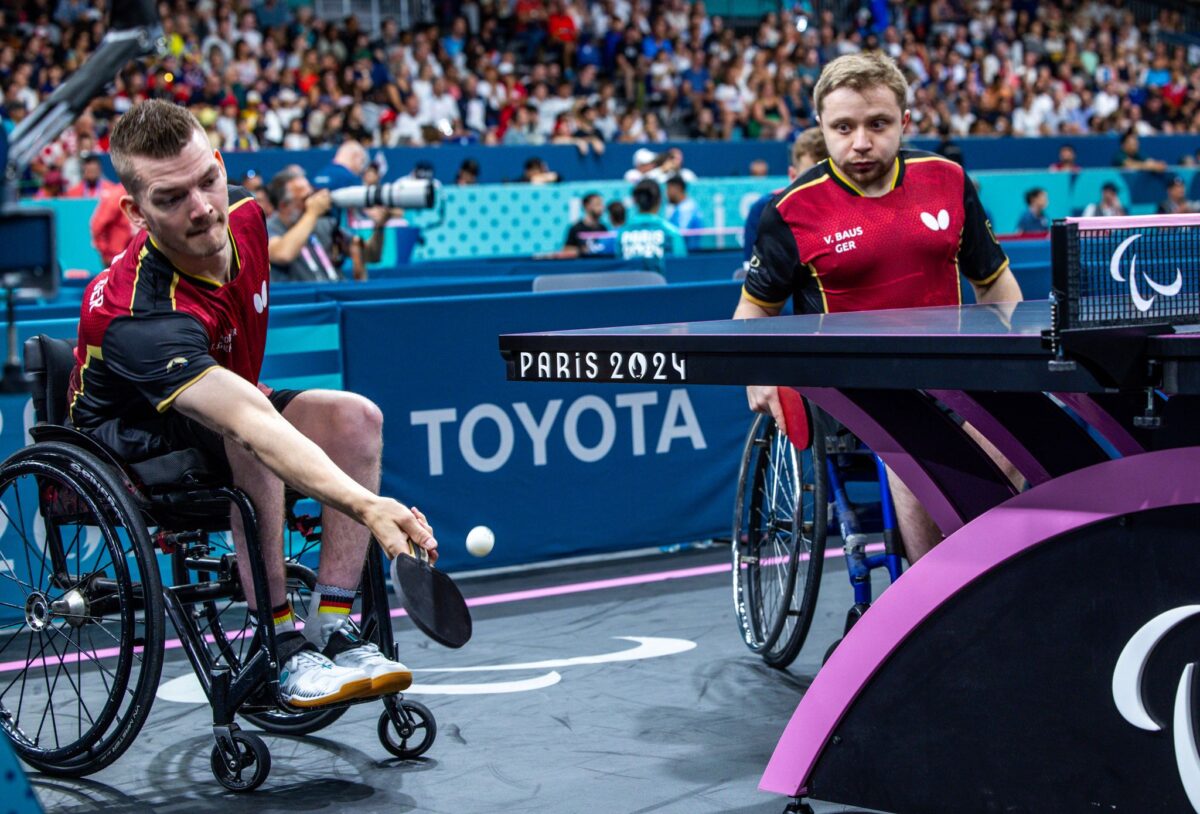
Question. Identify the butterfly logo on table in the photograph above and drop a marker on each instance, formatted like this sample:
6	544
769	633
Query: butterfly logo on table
1141	303
1127	695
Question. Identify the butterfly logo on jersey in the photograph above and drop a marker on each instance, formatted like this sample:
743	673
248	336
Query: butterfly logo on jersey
260	299
937	223
1141	303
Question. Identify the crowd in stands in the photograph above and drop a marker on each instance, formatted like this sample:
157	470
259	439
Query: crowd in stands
270	73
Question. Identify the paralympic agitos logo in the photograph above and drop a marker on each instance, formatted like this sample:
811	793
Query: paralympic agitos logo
1127	695
1141	303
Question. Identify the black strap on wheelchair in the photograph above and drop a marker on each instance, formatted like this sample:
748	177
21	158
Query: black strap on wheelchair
289	644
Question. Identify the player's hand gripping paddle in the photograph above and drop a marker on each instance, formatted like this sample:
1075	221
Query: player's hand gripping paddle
799	430
432	599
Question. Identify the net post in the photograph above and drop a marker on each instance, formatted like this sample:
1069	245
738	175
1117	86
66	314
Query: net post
1061	233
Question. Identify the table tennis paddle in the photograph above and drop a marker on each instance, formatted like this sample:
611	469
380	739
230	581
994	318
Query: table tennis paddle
799	432
432	600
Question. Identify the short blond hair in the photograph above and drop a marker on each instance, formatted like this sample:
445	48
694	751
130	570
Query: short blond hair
152	129
810	143
860	72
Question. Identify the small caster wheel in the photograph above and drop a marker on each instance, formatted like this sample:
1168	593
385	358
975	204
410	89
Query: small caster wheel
829	652
854	614
251	764
416	731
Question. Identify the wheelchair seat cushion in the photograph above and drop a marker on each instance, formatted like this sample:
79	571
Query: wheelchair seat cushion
184	467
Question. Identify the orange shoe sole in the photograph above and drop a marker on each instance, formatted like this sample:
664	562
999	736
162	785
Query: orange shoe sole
350	691
391	683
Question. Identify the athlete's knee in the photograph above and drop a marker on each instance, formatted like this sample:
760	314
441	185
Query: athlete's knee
359	424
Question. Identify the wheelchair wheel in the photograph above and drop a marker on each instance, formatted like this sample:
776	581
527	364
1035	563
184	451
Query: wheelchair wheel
779	527
81	603
246	768
231	627
413	735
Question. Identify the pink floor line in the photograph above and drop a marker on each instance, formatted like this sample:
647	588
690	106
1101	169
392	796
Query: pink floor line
478	601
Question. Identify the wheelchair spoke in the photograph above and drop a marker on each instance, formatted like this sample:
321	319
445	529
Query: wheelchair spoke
13	525
109	634
24	587
23	675
29	545
103	674
90	654
77	684
49	701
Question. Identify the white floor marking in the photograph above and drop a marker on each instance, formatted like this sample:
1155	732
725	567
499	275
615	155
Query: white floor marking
648	647
186	688
490	688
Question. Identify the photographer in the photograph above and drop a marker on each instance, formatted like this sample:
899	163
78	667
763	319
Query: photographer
307	245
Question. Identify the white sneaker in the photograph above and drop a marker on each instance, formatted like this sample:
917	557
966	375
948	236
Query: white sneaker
346	649
309	679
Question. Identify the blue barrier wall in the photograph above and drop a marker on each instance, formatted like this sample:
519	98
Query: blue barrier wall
553	469
490	221
709	159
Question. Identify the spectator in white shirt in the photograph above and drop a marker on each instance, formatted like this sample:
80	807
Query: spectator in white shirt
443	107
407	129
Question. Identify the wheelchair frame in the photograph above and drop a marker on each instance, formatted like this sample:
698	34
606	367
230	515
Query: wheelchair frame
787	498
78	481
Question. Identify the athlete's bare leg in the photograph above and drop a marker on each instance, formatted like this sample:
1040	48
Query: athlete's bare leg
917	529
349	428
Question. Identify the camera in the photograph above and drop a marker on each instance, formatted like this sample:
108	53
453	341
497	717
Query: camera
405	193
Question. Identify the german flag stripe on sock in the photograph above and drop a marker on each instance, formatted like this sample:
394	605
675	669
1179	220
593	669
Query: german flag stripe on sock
335	604
282	614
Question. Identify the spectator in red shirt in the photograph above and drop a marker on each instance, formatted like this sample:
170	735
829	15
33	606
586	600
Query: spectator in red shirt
53	185
93	183
563	35
530	27
111	230
1066	160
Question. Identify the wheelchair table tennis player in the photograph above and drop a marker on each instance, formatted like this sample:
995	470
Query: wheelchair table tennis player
873	227
171	341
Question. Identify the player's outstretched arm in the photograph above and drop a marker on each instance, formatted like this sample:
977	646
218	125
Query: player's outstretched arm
228	404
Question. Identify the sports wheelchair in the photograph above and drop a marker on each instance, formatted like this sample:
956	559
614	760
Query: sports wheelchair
83	537
790	487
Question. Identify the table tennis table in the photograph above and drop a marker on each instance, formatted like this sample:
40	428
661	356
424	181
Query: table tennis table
1041	658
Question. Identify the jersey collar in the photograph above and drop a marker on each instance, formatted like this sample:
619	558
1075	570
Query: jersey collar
235	262
848	185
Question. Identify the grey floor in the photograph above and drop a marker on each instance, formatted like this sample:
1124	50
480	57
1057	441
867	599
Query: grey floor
689	732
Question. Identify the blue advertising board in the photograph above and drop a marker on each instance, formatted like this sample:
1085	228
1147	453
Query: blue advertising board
552	469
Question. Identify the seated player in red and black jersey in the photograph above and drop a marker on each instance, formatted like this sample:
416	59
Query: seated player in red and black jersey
872	227
171	341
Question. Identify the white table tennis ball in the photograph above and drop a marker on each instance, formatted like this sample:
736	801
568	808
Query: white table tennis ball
480	541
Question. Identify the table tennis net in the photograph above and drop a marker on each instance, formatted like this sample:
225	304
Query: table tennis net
1126	271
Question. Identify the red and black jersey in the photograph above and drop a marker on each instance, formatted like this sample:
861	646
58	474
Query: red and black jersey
834	249
148	330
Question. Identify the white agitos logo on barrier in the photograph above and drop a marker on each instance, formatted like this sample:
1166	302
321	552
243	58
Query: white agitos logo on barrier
1141	303
1127	694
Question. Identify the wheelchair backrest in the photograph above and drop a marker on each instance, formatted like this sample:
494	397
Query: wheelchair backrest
48	365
